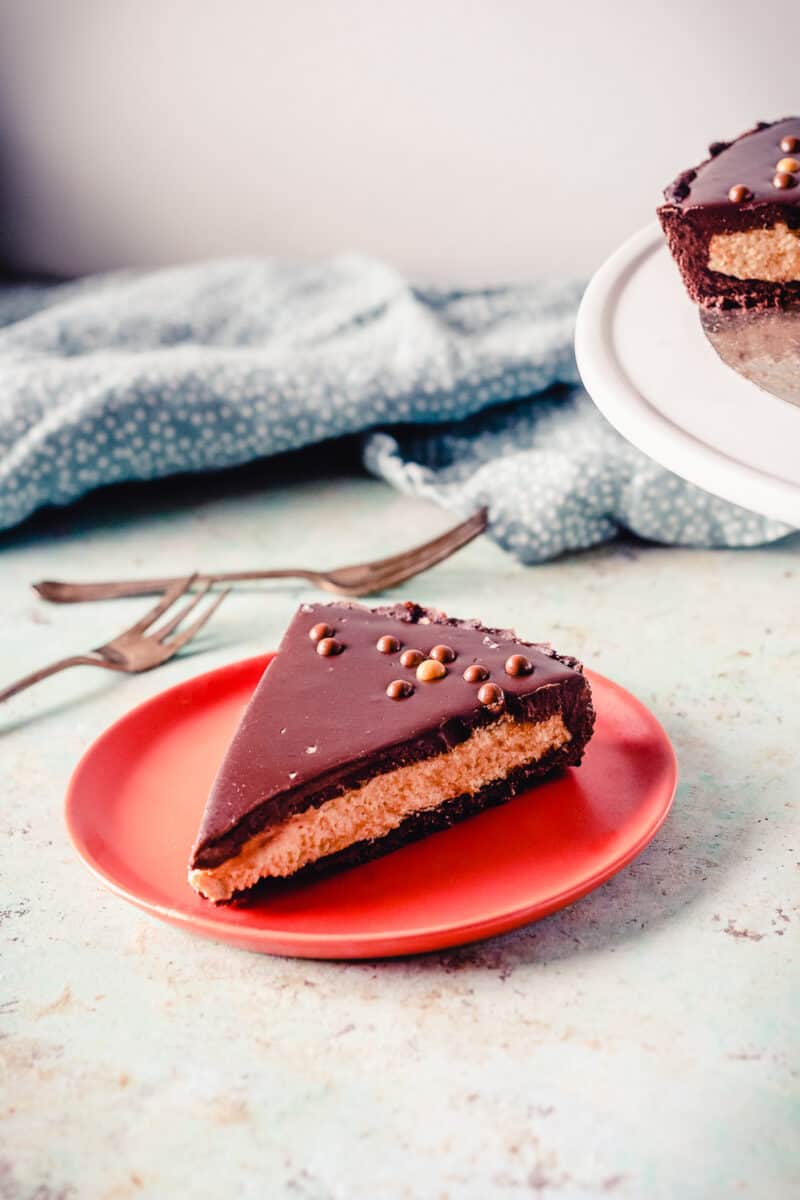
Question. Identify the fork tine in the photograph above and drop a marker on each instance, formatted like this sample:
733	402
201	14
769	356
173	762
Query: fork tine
189	633
400	572
434	552
451	537
183	612
384	573
170	596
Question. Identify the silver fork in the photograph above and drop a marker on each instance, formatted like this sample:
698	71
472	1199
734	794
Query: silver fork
361	579
141	647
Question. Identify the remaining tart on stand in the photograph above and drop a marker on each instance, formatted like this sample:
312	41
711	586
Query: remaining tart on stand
374	727
733	222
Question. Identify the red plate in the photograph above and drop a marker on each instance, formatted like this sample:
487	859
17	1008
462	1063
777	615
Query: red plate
135	800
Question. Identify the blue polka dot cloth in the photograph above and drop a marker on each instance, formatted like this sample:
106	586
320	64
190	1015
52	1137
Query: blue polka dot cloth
465	397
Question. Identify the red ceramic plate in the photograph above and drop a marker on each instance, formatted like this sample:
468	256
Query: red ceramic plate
136	797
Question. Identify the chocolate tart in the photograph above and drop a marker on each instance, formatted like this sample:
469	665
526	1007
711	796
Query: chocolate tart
373	727
733	223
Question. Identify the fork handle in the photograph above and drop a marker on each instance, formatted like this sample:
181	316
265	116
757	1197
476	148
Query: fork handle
60	592
75	660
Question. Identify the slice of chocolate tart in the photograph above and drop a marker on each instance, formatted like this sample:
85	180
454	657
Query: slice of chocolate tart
733	222
373	727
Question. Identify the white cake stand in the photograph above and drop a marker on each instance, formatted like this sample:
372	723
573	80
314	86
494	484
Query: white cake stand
648	367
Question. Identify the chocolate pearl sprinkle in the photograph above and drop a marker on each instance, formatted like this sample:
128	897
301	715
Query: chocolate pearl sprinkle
738	194
328	646
476	673
783	180
387	644
318	632
430	670
788	165
518	664
492	697
443	654
790	144
398	689
411	658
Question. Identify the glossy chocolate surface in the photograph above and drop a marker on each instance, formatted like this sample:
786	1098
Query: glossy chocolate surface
315	723
750	161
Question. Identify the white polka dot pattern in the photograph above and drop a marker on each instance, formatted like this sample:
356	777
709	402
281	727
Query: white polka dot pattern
556	477
137	375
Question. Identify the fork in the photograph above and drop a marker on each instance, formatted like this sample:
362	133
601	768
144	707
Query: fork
361	579
141	647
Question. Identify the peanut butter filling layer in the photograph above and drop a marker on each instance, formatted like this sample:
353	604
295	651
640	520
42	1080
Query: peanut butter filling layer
769	254
382	803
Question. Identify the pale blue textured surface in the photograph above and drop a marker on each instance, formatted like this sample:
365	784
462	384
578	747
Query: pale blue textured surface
556	477
138	375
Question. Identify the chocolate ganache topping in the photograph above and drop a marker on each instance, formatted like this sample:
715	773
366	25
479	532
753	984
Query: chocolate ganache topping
403	684
748	173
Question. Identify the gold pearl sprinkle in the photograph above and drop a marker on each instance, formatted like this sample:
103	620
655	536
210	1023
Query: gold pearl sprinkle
399	689
518	664
783	180
788	165
476	673
492	697
431	670
329	646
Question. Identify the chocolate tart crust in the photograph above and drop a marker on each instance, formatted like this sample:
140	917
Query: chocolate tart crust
424	824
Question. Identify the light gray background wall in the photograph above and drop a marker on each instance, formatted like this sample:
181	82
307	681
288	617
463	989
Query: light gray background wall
465	142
